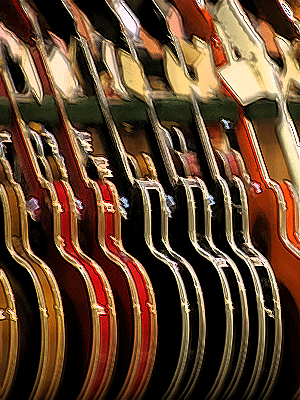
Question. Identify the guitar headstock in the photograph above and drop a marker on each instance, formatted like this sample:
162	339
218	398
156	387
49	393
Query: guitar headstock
85	140
5	137
101	16
102	165
17	55
49	142
127	17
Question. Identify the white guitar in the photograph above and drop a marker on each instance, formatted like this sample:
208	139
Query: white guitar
243	44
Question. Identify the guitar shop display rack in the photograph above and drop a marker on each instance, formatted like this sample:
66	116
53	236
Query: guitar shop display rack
149	200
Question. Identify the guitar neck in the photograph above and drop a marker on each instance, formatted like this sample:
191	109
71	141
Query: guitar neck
22	144
66	137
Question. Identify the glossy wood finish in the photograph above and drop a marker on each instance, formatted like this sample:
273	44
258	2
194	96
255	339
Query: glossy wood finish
9	336
274	348
38	307
130	284
91	294
142	354
143	172
187	284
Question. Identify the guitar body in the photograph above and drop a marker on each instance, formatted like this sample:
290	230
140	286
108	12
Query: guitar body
130	286
87	300
27	311
53	351
182	226
9	336
185	320
133	299
173	359
107	341
88	303
269	315
176	323
38	306
266	211
212	268
156	227
41	345
266	331
113	242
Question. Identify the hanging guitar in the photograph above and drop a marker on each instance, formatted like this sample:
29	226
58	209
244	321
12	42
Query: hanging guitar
88	302
182	335
9	336
130	284
270	235
288	237
138	157
9	318
160	147
274	349
146	348
41	317
284	54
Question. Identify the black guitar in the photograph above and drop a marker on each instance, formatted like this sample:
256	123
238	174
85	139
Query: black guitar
179	318
258	274
142	165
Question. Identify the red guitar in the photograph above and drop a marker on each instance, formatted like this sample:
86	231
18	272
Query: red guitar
267	215
135	301
88	302
148	215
